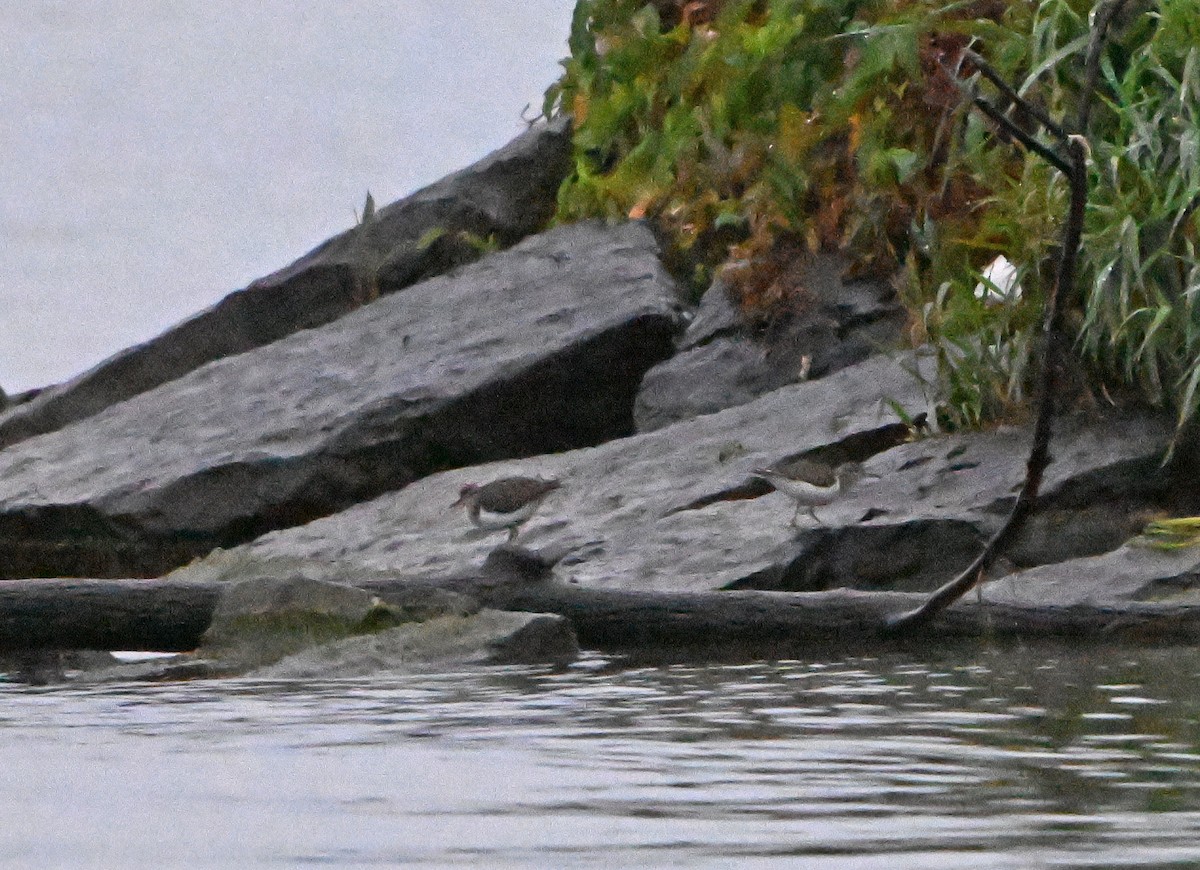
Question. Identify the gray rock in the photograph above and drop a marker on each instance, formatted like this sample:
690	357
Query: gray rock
259	621
504	197
722	364
1134	572
676	509
533	350
23	397
276	615
623	510
723	373
716	316
414	604
938	501
488	637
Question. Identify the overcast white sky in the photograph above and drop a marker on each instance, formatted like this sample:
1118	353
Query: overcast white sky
158	156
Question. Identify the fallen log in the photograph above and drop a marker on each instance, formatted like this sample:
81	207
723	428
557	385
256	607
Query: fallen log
104	614
171	615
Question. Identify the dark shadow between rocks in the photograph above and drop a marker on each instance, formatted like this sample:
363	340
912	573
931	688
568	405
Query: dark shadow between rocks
919	556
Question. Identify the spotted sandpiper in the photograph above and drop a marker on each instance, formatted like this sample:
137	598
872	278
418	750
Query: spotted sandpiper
505	503
810	483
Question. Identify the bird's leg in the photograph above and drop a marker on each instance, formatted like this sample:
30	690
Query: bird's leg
512	533
795	517
812	512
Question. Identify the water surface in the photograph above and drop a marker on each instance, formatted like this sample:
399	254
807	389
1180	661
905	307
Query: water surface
982	759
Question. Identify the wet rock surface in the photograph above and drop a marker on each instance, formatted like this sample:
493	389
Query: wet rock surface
44	667
260	621
938	500
721	363
498	200
1135	571
327	460
535	350
671	509
487	637
676	509
298	627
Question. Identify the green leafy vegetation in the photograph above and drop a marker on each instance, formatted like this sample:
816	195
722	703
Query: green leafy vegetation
754	131
1172	534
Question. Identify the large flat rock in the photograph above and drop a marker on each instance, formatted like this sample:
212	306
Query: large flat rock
676	509
534	350
502	198
938	500
622	504
1133	572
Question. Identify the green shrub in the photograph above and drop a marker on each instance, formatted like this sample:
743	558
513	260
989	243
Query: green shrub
750	130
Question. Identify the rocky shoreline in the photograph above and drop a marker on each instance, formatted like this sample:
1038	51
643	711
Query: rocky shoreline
308	434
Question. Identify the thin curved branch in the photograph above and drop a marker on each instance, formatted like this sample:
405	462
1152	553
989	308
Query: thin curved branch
1075	168
989	73
1039	455
1005	123
1002	120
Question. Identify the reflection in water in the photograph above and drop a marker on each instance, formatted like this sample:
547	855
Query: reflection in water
995	758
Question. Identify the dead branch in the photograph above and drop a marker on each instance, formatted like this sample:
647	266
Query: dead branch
1074	167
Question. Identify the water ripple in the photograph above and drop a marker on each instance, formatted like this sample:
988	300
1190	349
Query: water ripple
1013	758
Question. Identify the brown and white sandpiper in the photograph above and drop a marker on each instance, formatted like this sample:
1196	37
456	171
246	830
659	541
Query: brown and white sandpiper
810	484
505	503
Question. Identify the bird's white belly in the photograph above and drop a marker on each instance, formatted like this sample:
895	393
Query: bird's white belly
486	519
806	493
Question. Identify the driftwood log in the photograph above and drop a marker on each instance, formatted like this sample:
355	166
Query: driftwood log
172	615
